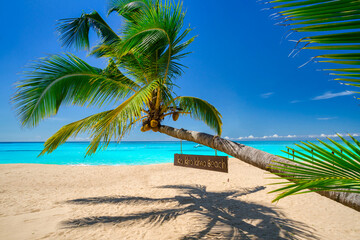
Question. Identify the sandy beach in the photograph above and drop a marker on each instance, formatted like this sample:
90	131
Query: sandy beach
161	202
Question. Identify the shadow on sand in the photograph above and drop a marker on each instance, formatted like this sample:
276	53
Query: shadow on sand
219	215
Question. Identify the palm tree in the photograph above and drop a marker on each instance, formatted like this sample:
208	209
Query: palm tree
143	64
147	53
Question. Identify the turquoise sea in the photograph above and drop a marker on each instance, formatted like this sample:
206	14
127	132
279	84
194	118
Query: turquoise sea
124	153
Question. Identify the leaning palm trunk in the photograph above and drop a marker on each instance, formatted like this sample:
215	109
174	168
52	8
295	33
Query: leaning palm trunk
252	156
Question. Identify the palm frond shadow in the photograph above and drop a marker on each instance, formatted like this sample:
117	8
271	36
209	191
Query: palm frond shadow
218	215
115	200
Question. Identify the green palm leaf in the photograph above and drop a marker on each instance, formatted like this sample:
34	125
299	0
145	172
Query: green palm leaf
340	19
330	167
75	31
72	130
126	114
66	79
129	8
201	110
105	126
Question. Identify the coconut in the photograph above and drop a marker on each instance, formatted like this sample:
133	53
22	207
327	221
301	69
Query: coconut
142	129
155	129
175	116
154	123
146	127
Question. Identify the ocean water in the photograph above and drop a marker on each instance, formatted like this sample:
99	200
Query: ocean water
124	153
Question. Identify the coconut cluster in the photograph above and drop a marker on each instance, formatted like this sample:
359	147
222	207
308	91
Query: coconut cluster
152	124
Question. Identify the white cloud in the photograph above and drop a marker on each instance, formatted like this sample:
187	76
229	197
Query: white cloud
265	137
295	101
276	136
328	95
227	137
330	135
266	95
326	118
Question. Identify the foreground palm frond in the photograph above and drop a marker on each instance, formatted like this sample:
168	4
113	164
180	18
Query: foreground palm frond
337	23
143	64
330	167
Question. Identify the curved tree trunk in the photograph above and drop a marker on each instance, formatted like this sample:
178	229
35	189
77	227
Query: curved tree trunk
251	156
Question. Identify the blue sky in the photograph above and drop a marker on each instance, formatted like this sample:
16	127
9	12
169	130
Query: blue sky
239	64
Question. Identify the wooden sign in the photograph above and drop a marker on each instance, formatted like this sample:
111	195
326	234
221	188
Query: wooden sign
213	163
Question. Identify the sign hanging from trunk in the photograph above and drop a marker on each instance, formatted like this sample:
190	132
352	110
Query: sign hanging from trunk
213	163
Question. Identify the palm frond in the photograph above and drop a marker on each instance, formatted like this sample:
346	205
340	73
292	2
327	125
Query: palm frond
169	60
66	79
135	65
129	111
105	126
201	110
74	32
129	8
72	130
330	167
339	19
116	130
154	34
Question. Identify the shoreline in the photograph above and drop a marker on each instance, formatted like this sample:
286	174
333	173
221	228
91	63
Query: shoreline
134	153
161	201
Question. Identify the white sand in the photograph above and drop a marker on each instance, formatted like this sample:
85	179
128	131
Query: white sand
161	202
